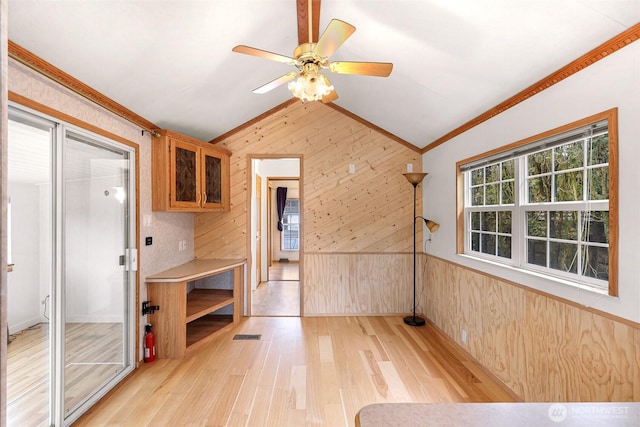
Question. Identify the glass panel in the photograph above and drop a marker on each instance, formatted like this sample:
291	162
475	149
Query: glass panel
488	221
477	177
508	169
30	317
213	179
563	225
475	220
539	163
569	156
598	183
504	222
598	150
537	252
569	186
563	256
475	242
507	193
95	281
477	196
595	261
290	225
537	224
489	243
186	177
492	173
595	226
504	246
493	194
539	189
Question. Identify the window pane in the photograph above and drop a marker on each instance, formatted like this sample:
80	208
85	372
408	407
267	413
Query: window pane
507	193
493	194
489	243
475	220
504	246
475	242
507	169
569	186
598	182
563	256
563	225
598	150
595	261
537	224
540	189
595	226
488	221
539	163
477	176
537	252
568	156
477	196
504	222
492	173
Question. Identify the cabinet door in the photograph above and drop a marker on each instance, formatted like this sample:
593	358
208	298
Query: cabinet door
185	172
215	172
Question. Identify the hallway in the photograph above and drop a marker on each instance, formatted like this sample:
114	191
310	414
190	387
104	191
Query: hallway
280	296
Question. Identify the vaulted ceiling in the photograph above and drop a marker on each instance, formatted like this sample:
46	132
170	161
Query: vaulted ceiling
171	62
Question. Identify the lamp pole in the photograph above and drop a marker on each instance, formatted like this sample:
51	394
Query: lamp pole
415	179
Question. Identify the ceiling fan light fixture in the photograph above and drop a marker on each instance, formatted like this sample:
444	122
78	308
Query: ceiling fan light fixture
310	87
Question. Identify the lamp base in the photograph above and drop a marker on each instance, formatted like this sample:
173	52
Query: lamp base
414	321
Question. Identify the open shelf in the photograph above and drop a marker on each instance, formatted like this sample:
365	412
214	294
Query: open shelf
201	302
206	327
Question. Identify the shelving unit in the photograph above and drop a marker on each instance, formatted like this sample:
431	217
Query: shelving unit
189	315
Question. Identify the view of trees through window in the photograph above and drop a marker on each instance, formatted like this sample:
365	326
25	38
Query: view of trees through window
546	209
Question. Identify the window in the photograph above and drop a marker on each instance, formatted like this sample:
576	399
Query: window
546	204
290	225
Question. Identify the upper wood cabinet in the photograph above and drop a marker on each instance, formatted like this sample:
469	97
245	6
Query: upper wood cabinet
189	175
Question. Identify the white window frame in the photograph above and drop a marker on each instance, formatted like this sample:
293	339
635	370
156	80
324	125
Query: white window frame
518	152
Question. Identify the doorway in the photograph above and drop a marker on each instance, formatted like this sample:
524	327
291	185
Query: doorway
71	291
275	286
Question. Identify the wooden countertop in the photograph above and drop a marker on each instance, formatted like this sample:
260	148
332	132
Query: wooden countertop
194	270
499	414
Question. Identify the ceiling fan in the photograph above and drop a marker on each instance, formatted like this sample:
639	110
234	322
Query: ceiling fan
310	57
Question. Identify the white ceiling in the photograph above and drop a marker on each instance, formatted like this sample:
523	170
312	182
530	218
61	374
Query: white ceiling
171	61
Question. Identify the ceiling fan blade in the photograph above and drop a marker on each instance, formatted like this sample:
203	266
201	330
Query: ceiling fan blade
334	35
332	96
277	82
378	69
264	54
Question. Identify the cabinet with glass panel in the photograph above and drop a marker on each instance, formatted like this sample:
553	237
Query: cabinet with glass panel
189	175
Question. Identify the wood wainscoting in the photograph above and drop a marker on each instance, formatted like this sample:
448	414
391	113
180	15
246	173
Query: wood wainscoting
544	348
359	284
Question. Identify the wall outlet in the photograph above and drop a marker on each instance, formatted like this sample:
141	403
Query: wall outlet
352	168
409	167
464	336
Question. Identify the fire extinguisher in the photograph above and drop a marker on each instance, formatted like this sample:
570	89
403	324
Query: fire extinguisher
149	344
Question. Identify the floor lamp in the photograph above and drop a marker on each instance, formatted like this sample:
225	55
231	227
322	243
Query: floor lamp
416	178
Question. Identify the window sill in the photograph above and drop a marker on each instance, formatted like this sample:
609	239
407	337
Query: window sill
546	277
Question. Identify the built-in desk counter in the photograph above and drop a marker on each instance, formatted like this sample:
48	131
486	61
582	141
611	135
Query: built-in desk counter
190	313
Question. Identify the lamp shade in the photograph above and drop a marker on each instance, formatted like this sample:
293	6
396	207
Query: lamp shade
432	225
415	178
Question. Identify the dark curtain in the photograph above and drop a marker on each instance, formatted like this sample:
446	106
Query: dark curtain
281	200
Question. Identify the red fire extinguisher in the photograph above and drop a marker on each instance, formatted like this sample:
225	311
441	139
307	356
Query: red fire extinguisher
149	344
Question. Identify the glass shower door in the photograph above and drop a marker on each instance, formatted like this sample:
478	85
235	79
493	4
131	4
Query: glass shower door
97	269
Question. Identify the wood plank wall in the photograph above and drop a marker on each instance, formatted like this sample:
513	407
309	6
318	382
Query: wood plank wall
541	347
349	220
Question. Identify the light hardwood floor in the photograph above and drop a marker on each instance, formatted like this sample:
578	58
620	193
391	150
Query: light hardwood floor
302	372
280	296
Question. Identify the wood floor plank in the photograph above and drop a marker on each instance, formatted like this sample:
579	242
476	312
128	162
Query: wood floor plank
302	372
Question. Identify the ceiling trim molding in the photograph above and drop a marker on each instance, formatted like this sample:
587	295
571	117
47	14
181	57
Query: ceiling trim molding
52	72
308	12
374	127
607	48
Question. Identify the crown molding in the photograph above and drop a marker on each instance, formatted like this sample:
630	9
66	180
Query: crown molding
605	49
29	59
